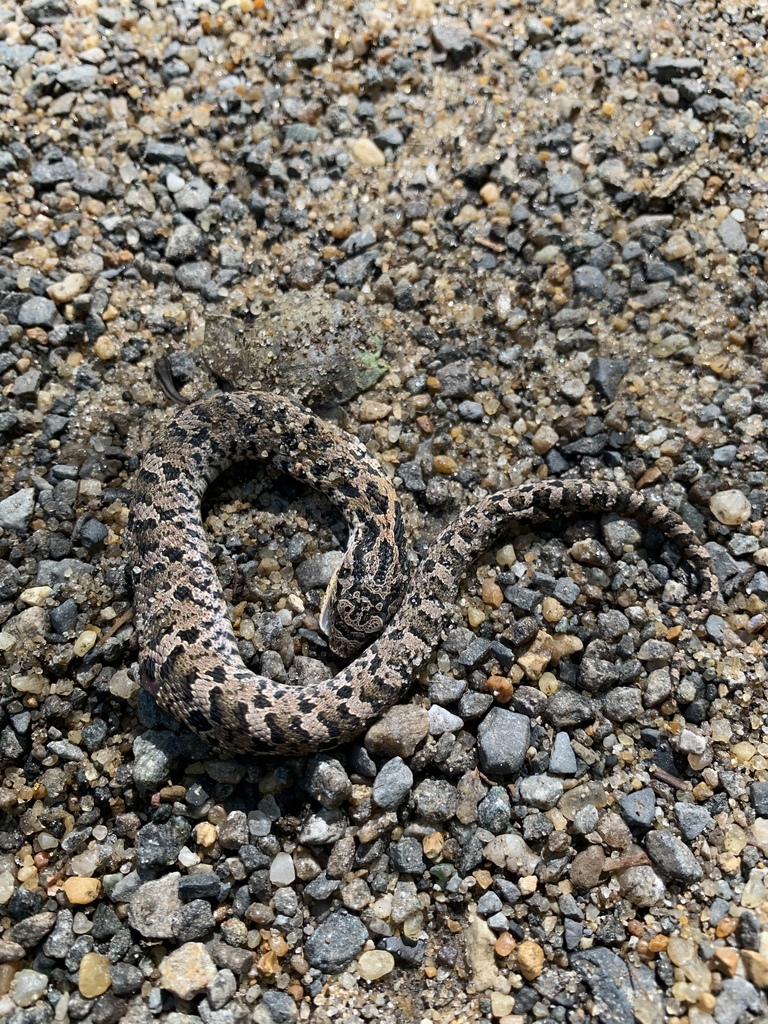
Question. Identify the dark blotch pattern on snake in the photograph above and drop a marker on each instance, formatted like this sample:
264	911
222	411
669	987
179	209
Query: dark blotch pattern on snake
189	657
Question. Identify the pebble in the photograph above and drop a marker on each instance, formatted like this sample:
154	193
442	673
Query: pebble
81	891
17	509
639	807
28	987
399	732
503	738
732	508
336	941
367	153
93	976
187	971
672	856
392	784
374	964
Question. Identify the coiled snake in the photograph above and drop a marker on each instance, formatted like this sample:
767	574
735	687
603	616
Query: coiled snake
189	657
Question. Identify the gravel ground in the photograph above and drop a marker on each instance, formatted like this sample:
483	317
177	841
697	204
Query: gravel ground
553	221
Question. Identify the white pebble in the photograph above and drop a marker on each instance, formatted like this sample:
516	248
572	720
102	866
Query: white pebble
282	871
731	508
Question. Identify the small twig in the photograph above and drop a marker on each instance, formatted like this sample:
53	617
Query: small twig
671	780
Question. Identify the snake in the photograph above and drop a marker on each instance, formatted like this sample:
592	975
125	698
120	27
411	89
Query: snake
388	624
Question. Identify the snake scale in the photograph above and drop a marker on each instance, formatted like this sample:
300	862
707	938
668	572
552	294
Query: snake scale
188	654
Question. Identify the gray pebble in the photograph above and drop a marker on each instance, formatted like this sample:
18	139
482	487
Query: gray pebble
608	979
623	704
736	996
436	800
540	791
194	276
327	781
17	509
672	856
562	760
731	234
406	856
606	375
567	708
591	282
77	78
335	942
442	689
503	737
494	812
66	750
758	795
316	573
193	197
154	906
193	921
276	1007
639	807
33	929
10	582
126	979
26	385
442	721
185	243
471	411
472	704
692	819
221	989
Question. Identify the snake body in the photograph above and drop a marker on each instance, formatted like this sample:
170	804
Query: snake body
188	653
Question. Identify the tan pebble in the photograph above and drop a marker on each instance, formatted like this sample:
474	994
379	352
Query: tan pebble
483	878
727	926
530	959
187	970
375	964
433	845
506	556
425	424
68	288
492	593
170	794
205	833
444	464
505	944
501	1004
537	657
528	884
490	193
552	610
475	617
93	976
676	247
743	751
421	227
81	891
106	348
727	960
85	642
649	477
658	943
433	384
564	645
501	688
544	440
35	596
367	153
731	508
370	411
268	964
453	926
756	966
342	228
